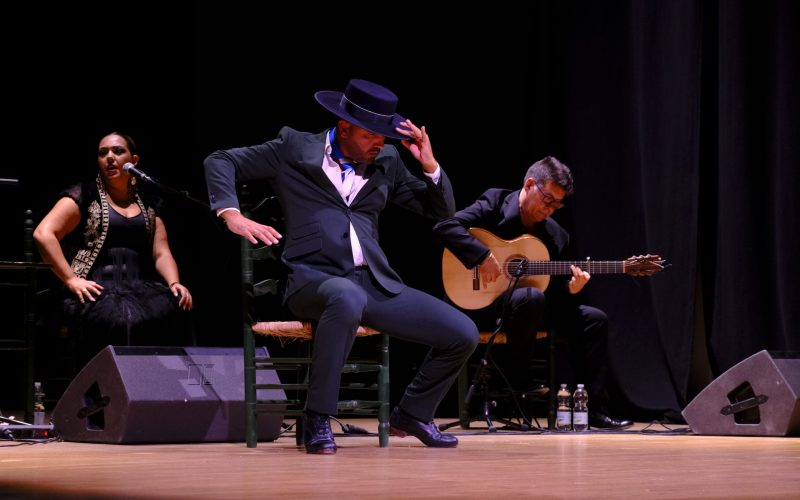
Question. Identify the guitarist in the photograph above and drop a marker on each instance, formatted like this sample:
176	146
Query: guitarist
510	214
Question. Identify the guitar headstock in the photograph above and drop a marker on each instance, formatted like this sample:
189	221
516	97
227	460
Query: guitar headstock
644	265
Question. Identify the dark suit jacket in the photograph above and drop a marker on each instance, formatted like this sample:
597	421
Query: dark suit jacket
497	210
317	239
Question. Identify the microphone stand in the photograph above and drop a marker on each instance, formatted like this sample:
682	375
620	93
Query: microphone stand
169	189
480	376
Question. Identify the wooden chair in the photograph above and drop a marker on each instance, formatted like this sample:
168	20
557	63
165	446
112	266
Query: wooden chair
549	362
297	367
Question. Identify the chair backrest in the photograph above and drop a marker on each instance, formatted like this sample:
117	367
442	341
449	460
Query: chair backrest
262	271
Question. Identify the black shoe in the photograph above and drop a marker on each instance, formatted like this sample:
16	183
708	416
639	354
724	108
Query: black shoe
600	420
402	424
317	434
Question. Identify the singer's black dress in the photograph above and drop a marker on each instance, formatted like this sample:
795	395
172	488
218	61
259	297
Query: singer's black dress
135	307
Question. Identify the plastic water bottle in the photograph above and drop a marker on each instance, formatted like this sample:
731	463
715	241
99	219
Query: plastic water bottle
38	404
564	411
38	409
580	410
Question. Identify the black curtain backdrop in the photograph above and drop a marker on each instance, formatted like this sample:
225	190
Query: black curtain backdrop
679	120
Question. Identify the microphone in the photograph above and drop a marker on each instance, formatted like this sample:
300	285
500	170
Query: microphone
521	267
132	170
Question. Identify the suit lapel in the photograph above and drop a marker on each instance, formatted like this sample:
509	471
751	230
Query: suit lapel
377	174
310	164
511	208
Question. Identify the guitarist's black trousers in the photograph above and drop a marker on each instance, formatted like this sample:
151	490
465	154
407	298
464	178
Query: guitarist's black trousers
583	329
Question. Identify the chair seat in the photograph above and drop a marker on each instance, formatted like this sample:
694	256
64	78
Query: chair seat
298	329
501	337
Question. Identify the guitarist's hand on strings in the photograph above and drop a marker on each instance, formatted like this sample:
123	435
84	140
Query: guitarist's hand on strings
490	270
578	280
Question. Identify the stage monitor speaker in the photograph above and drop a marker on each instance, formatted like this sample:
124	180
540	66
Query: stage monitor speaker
163	395
756	397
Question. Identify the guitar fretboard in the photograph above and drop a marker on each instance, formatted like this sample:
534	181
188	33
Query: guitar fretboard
548	267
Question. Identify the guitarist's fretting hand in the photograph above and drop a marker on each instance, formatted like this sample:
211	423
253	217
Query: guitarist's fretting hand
578	280
490	270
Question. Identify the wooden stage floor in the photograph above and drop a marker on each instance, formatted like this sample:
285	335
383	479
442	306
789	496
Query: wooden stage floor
642	462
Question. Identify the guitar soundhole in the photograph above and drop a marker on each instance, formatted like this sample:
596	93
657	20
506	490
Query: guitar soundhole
512	265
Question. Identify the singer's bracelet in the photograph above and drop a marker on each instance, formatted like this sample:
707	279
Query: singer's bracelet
174	283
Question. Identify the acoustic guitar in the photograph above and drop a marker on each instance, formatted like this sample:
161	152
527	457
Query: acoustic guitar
526	257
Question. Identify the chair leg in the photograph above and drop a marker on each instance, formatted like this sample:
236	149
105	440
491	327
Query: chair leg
251	422
301	377
463	410
298	431
551	375
383	393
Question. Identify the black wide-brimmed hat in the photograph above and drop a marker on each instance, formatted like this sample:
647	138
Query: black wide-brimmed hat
365	104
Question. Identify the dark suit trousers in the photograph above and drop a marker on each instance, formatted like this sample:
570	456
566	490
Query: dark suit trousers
584	328
340	304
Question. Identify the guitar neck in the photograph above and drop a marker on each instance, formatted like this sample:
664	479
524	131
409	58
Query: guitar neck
549	267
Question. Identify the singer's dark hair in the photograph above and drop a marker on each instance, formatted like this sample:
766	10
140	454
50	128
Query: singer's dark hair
128	139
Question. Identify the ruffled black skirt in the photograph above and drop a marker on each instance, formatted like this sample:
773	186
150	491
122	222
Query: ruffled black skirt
123	304
136	312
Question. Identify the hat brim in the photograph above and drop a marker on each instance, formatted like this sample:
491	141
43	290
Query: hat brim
330	99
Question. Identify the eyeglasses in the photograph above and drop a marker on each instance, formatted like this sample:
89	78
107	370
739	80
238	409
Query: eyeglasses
548	199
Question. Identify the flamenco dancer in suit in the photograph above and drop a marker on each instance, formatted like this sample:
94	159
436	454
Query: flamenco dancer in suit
332	186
